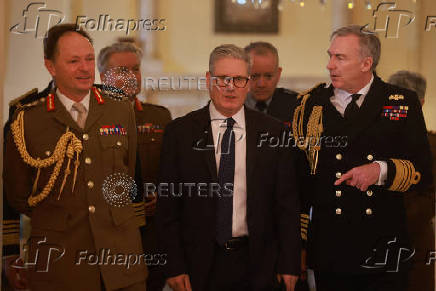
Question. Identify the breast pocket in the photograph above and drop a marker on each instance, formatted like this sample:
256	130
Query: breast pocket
114	150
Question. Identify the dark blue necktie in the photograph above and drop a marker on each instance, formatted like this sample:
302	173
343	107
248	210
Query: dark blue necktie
226	176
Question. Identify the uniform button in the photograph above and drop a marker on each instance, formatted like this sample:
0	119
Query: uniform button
88	161
339	157
91	208
338	175
368	211
338	193
85	136
369	193
90	184
338	211
119	143
153	139
42	99
47	153
370	157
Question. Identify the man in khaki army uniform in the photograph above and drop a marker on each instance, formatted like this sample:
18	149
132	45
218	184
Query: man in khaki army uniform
119	66
64	155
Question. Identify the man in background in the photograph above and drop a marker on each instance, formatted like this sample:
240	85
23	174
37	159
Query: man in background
120	66
420	205
265	74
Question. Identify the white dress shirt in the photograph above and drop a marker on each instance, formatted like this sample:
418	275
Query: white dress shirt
219	126
340	101
68	103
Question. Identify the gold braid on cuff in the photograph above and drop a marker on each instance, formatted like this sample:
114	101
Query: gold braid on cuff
68	145
405	176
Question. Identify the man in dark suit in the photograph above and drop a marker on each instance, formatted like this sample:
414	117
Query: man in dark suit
366	146
265	74
227	207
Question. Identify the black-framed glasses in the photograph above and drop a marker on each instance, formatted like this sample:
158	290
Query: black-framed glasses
223	81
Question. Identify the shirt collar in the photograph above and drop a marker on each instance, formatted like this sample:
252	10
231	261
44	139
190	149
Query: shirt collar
239	116
251	102
68	103
342	94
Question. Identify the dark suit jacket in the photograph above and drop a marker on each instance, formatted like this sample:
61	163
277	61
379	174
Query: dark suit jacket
283	104
348	224
186	222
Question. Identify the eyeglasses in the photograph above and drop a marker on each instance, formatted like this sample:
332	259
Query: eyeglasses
223	81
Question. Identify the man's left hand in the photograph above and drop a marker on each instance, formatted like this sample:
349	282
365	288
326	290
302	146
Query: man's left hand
361	177
289	280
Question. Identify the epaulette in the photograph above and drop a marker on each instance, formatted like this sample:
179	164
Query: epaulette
316	87
17	101
113	92
153	105
287	91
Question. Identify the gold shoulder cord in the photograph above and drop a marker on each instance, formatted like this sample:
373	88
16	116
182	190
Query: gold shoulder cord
312	142
67	145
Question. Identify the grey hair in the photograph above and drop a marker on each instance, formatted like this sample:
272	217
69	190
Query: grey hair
369	42
228	51
410	80
262	48
118	47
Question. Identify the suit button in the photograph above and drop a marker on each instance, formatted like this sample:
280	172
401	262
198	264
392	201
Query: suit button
88	161
368	211
338	193
85	136
370	157
91	209
338	175
369	193
153	139
119	143
90	184
339	157
338	211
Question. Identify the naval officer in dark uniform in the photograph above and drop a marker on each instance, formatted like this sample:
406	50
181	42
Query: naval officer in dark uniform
365	146
265	74
120	65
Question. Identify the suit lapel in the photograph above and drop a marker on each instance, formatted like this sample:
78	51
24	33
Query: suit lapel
204	140
251	143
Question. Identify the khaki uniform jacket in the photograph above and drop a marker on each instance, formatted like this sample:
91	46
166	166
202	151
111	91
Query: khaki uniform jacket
79	238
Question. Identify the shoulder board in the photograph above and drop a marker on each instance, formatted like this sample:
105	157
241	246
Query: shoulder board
153	105
113	93
288	91
17	101
308	91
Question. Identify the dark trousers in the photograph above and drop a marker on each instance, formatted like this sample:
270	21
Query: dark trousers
326	281
230	271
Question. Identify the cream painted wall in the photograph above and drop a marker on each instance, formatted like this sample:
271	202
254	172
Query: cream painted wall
302	41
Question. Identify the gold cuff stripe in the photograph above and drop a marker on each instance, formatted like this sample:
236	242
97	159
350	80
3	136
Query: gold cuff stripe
305	225
11	221
304	236
303	215
405	176
11	239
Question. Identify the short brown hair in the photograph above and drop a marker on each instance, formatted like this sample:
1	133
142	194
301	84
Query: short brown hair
228	51
410	80
53	35
369	42
262	48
